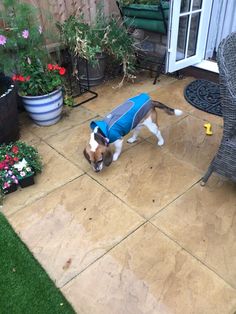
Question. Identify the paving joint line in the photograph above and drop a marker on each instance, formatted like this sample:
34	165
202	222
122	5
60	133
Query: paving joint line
100	257
44	195
193	256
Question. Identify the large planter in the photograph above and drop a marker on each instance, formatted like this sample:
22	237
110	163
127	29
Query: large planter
9	125
44	110
148	17
91	74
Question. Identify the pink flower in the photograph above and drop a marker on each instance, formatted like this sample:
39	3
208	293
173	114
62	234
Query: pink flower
15	181
3	40
22	174
6	185
25	33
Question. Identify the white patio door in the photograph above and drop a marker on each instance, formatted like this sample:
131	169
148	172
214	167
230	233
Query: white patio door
188	28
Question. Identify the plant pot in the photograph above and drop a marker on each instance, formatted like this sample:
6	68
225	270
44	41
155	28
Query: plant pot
148	17
91	74
44	110
11	189
9	125
26	181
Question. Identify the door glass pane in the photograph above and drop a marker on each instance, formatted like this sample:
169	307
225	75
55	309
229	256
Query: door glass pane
192	45
197	4
182	37
185	6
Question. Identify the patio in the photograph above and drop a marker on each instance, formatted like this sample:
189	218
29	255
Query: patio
142	236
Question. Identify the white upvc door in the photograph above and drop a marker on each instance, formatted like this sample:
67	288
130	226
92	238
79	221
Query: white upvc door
187	36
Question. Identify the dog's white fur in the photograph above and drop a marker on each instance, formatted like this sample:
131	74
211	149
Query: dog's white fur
93	144
93	154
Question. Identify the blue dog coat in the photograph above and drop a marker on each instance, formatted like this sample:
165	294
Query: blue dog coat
124	118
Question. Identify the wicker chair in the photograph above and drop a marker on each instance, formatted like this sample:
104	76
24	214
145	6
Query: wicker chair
224	162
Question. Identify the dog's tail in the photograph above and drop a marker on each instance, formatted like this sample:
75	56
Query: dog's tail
168	110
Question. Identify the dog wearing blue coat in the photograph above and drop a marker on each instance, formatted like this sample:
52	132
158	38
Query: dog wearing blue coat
133	114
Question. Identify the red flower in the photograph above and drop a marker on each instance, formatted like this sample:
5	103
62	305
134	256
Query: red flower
62	71
2	165
16	159
27	78
50	67
14	77
21	78
15	149
56	67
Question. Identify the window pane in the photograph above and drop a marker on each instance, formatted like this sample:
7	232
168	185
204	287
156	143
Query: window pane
197	4
185	6
182	37
192	45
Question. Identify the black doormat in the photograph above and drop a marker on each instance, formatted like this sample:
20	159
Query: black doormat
204	95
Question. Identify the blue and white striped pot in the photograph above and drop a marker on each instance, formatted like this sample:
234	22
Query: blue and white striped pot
46	109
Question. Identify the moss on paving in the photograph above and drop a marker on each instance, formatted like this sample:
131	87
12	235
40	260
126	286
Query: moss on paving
24	285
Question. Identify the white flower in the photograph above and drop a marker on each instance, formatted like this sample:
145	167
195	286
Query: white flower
21	164
22	174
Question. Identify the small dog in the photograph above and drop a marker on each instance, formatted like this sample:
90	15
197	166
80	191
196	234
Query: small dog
135	113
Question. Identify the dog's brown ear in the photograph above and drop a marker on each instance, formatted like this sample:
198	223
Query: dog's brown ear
101	140
86	155
107	157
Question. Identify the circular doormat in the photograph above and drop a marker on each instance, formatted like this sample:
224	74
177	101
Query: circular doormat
204	95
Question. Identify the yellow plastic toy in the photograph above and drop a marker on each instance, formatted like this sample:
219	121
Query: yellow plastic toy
208	128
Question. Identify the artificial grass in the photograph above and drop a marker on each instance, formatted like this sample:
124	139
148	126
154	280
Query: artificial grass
25	288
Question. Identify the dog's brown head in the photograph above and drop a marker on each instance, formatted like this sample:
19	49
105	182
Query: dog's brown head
97	152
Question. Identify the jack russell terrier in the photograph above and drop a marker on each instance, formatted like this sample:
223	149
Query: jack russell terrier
133	114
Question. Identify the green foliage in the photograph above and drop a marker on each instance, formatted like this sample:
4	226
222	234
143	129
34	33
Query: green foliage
17	17
105	35
23	51
120	45
82	39
41	80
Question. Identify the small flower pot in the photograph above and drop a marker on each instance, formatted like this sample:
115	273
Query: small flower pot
12	188
26	181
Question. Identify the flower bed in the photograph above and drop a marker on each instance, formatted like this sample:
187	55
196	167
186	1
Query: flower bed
19	163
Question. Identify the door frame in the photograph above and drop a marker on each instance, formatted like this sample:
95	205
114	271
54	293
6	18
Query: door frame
171	64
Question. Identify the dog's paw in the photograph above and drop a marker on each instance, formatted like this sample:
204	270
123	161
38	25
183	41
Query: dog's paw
115	157
131	140
161	142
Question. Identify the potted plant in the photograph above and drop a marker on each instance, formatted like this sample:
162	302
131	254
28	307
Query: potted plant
8	183
151	15
19	162
23	173
85	43
90	44
26	58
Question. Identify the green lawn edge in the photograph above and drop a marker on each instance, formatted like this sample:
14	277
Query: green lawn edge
25	287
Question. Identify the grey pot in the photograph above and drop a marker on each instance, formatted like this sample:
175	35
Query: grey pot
95	72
